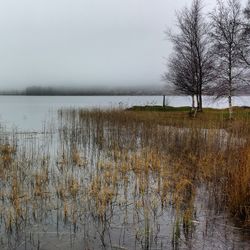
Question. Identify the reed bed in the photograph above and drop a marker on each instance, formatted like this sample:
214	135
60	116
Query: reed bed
118	179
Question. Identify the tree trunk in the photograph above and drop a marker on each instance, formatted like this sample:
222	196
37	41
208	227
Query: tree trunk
230	84
200	101
193	103
197	102
230	106
164	101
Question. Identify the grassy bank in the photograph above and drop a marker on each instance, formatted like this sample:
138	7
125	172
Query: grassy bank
209	118
239	113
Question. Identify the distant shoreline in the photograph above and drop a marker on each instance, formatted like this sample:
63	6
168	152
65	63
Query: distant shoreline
107	94
86	95
132	91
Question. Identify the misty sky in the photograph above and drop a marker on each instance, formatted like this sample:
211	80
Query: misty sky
85	42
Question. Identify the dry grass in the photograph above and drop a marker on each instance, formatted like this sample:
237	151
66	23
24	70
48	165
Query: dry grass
129	168
209	149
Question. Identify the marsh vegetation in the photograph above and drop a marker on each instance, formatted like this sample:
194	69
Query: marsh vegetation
116	179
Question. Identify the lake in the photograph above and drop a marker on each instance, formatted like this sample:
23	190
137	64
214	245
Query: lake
107	180
28	113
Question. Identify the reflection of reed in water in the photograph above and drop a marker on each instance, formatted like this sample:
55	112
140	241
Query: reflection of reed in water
119	179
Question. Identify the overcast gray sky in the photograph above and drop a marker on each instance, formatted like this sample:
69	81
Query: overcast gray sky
85	42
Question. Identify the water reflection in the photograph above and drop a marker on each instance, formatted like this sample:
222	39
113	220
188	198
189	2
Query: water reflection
96	180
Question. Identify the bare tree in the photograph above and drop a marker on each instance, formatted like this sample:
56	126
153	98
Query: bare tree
245	50
181	74
227	34
190	66
247	10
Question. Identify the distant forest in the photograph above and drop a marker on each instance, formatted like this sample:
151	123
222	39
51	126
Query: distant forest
65	91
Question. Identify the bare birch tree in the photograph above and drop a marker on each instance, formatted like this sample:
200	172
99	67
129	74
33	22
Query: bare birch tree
245	50
190	67
247	10
227	34
181	73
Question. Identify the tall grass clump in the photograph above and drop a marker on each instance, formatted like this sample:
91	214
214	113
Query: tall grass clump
208	150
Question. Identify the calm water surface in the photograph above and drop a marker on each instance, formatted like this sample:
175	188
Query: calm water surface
127	225
28	113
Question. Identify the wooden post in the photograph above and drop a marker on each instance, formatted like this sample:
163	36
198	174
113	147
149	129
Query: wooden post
164	101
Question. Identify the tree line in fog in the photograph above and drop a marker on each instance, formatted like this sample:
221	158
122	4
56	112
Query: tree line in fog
84	91
211	51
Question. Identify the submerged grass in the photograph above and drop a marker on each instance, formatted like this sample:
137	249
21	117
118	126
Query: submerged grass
126	178
209	149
